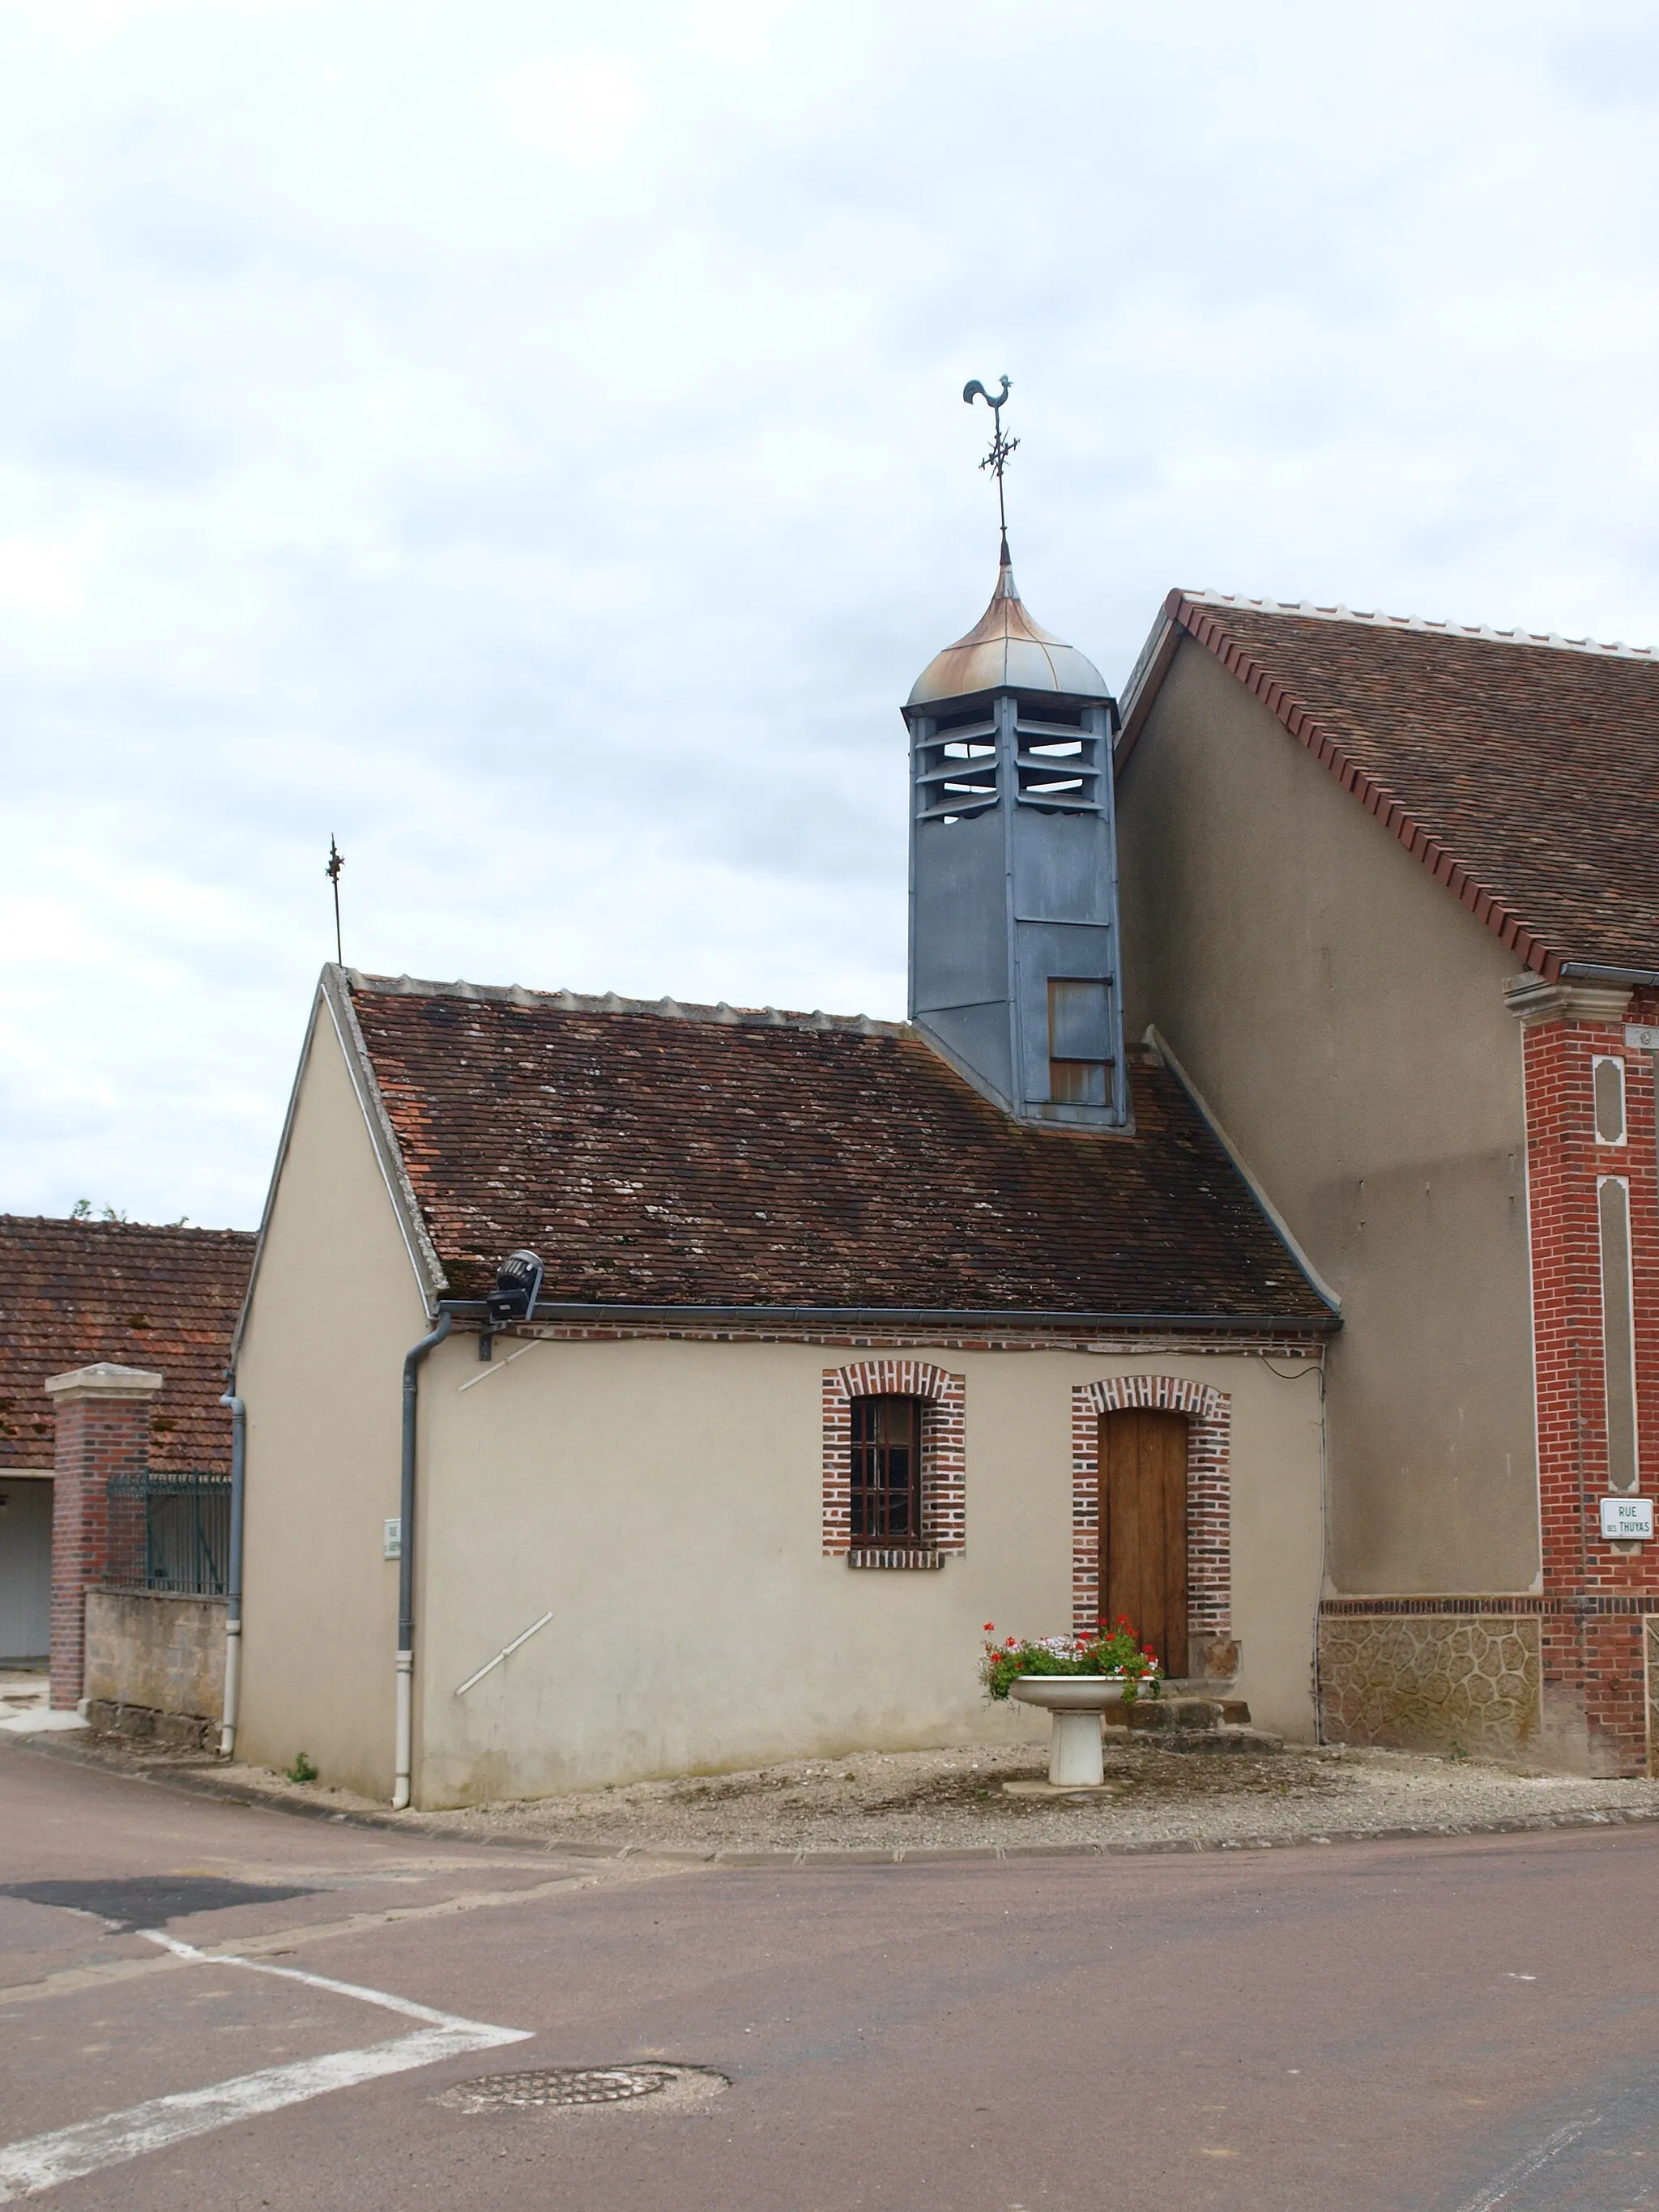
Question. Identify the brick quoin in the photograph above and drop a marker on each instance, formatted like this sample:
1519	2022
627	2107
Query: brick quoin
103	1415
1592	1646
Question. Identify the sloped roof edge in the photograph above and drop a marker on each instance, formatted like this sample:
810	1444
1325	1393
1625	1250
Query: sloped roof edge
333	998
611	1002
1202	616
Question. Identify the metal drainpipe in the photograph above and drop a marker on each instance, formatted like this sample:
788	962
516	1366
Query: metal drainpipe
233	1589
406	1686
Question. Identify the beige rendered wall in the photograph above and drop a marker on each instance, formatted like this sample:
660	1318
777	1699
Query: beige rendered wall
664	1500
335	1308
1343	1018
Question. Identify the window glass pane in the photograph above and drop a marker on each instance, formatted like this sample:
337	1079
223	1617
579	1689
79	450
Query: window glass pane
886	1471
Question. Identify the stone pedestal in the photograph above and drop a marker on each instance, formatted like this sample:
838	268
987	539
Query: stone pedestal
1074	1703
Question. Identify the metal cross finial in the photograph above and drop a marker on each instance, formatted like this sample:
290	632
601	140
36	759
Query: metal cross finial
336	862
1002	447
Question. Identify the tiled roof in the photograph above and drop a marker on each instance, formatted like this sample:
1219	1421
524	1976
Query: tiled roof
1519	770
75	1291
705	1156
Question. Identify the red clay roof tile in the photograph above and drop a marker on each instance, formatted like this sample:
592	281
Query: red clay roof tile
657	1158
1521	770
72	1292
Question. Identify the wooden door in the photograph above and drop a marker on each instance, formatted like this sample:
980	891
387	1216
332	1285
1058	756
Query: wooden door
1143	1529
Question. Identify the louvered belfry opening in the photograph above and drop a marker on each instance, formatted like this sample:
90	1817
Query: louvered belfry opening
886	1499
1013	871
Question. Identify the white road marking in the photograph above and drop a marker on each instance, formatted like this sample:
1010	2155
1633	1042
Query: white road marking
68	2153
383	1998
1488	2199
608	1871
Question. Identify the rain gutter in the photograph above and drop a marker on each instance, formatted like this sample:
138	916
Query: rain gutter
975	1319
404	1761
1592	972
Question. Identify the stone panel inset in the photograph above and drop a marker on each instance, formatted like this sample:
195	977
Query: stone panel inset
1444	1682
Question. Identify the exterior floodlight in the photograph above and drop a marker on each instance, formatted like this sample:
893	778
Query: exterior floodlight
518	1286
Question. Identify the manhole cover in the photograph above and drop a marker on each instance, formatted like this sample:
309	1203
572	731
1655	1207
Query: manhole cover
564	2087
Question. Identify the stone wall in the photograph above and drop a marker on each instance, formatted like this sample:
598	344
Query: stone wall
154	1664
1431	1681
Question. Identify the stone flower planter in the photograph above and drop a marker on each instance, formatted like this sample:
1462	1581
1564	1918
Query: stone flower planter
1074	1703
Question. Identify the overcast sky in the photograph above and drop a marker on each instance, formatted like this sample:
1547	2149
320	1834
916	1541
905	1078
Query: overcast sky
524	441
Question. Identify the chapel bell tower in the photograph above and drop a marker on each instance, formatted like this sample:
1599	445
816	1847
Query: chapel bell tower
1013	863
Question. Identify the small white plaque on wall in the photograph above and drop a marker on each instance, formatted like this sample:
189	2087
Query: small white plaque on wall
394	1536
1638	1038
1627	1520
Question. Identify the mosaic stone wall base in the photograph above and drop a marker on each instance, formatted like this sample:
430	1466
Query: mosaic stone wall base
1466	1683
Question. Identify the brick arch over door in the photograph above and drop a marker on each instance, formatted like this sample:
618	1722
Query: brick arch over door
944	1456
1209	1492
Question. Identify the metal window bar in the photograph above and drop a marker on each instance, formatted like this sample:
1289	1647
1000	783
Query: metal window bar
170	1532
886	1485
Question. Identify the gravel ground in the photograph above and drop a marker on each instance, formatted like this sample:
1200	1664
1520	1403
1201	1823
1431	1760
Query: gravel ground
954	1800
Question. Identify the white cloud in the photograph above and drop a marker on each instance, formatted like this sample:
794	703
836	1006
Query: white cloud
525	442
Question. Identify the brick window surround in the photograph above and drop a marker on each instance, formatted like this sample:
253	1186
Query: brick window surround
943	1460
1209	1495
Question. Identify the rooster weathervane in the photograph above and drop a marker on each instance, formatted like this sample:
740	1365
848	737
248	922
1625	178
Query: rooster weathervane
1002	446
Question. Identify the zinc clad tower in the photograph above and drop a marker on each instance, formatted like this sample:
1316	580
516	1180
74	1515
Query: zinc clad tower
1013	869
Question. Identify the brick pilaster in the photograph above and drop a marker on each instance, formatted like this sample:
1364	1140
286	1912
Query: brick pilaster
103	1430
1592	1647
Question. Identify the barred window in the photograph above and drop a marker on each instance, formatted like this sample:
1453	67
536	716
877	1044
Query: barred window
886	1485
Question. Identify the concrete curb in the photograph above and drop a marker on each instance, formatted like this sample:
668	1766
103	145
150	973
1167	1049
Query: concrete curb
202	1782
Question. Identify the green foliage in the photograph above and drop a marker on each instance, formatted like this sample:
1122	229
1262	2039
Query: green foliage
1117	1652
301	1771
82	1210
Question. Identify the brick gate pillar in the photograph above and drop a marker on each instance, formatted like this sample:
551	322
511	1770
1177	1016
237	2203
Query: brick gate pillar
103	1429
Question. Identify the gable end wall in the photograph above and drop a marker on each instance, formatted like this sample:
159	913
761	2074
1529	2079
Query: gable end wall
334	1308
1343	1018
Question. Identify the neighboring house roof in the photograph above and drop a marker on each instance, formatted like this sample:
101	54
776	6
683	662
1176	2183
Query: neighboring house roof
663	1156
72	1292
1519	770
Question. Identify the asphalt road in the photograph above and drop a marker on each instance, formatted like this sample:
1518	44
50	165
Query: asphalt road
1466	2027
